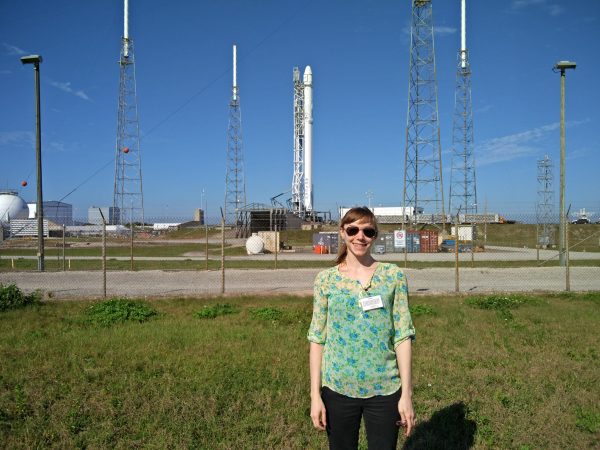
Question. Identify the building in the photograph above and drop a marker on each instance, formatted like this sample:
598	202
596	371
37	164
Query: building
56	212
389	214
199	216
111	214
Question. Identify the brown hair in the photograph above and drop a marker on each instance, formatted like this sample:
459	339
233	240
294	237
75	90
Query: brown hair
359	213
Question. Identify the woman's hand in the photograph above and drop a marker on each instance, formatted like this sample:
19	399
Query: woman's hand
407	413
317	413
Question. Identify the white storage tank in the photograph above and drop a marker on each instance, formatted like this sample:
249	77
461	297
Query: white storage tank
12	207
255	245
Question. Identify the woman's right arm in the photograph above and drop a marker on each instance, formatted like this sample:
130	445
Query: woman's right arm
317	407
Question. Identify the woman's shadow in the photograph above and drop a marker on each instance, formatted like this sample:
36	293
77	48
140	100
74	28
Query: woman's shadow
448	428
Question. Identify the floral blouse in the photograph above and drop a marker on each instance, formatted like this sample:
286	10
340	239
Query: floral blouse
358	355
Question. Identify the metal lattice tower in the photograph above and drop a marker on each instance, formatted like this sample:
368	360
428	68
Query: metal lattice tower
545	205
423	186
463	187
298	178
235	187
128	194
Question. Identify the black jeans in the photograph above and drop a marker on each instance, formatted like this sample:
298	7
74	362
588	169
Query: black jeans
344	414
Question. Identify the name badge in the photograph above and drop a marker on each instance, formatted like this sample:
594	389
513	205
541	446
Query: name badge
369	303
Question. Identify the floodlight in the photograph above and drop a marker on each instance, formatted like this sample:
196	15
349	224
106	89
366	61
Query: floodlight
31	59
562	65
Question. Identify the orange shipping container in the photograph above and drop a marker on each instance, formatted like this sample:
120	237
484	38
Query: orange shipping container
429	241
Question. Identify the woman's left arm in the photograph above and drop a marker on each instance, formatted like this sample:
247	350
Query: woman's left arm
405	405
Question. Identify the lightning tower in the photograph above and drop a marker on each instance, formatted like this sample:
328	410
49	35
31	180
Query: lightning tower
423	186
545	205
235	186
128	198
298	177
463	188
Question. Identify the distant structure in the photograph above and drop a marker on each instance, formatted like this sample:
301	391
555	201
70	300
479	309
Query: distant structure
423	186
128	194
302	188
57	212
463	187
111	215
545	204
235	185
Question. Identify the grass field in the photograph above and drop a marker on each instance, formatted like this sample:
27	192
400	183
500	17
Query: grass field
503	377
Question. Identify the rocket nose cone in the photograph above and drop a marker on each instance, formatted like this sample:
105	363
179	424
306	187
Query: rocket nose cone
308	76
308	71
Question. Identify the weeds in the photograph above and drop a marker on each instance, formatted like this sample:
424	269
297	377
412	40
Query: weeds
11	297
421	310
497	302
587	420
212	311
267	314
119	310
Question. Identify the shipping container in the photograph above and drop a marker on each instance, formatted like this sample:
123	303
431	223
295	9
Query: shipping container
413	241
428	241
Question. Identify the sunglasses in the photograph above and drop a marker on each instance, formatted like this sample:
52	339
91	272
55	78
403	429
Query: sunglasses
368	232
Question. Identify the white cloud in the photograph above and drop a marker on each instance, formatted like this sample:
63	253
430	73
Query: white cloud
444	31
66	87
518	145
13	50
551	8
16	138
512	146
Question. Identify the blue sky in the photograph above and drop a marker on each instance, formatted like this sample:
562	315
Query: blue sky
359	54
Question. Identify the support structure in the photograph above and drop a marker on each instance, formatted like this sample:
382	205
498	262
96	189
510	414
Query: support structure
128	194
235	186
423	184
297	203
545	216
463	186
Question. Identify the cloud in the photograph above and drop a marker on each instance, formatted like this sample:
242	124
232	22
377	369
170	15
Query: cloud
13	50
513	146
444	31
5	72
518	145
66	87
549	7
17	138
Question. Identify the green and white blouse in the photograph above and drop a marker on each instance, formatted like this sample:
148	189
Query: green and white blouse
358	355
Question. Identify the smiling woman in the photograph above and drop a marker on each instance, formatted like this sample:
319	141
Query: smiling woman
360	343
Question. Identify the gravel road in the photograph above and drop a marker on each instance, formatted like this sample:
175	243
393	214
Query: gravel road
158	283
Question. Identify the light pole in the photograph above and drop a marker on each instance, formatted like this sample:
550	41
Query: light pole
36	60
562	66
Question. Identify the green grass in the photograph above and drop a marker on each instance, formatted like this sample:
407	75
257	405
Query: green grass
241	380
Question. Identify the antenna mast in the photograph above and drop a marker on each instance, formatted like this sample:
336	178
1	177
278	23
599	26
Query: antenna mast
463	188
545	204
235	186
423	186
128	195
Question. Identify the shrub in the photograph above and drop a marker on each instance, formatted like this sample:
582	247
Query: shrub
119	310
11	297
212	311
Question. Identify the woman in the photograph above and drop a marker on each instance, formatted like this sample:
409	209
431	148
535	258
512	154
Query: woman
360	343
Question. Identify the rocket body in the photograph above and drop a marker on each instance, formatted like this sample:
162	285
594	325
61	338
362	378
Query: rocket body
308	124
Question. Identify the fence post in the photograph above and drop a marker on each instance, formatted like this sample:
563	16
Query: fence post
276	246
473	232
222	253
103	254
206	247
64	244
131	243
567	265
537	242
456	274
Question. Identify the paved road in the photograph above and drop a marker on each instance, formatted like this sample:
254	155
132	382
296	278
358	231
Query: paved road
158	283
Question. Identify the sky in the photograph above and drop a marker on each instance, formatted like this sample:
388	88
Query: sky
359	54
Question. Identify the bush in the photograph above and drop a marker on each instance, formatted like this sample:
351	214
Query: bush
119	310
212	311
11	297
267	314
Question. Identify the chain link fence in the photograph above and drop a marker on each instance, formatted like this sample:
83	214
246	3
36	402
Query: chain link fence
173	257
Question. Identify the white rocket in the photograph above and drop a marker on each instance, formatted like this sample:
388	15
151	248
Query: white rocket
308	123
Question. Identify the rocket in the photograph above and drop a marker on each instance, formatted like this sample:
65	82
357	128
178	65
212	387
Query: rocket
308	123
